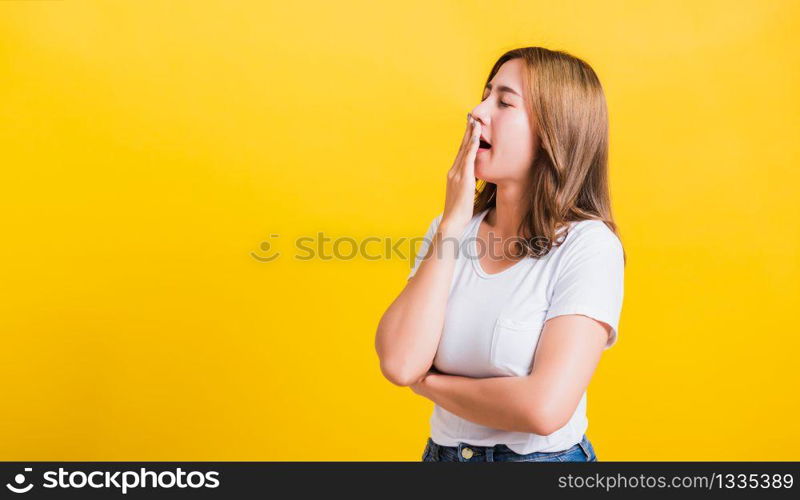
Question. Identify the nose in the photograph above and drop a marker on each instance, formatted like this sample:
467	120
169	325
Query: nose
478	118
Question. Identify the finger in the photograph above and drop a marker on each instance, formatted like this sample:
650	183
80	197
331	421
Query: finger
465	141
472	150
467	134
472	142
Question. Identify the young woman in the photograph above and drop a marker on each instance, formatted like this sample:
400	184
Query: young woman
517	289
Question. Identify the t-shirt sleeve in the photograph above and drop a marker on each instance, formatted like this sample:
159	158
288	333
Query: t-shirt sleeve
590	280
426	243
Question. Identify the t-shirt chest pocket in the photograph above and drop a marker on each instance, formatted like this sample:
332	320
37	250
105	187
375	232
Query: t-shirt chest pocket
514	343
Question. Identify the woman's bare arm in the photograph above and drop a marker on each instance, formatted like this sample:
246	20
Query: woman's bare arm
409	331
541	402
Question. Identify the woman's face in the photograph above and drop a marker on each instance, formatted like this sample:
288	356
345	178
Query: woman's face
505	125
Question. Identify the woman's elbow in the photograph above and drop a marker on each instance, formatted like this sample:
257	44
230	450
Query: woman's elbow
399	375
544	422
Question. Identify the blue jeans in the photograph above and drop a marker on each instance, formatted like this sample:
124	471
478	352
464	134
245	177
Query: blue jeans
465	452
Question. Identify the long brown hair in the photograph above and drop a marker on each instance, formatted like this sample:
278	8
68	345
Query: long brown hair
566	104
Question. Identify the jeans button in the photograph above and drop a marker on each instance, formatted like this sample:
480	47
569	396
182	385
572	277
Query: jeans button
467	453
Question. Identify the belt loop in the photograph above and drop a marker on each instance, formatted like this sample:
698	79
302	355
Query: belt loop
584	444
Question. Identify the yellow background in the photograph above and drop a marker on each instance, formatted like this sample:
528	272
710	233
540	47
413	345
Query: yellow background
149	148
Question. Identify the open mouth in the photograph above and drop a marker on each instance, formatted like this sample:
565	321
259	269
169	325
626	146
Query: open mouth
484	145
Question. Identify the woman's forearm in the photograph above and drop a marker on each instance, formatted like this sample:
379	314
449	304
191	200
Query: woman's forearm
409	331
505	403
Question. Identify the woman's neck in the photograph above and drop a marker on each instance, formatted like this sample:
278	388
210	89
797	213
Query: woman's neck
509	210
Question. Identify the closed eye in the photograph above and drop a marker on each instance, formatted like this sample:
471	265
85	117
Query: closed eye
503	104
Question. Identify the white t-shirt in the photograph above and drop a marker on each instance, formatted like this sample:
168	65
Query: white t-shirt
493	321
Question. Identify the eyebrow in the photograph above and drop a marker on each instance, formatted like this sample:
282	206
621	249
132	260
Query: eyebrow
503	88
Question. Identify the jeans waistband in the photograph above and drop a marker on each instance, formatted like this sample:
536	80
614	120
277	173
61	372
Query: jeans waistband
478	450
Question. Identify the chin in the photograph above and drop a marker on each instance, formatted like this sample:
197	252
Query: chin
482	174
